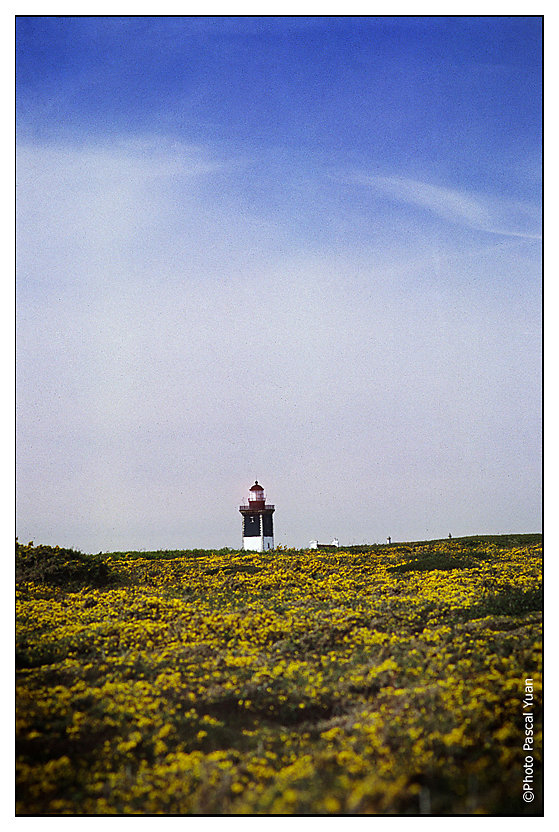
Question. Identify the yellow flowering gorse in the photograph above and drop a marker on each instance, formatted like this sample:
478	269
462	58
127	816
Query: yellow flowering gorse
289	682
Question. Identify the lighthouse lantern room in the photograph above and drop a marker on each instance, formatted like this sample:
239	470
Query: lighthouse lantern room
258	523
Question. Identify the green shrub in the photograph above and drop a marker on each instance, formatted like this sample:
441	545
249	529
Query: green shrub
60	567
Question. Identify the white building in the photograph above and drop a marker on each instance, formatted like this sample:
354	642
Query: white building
314	544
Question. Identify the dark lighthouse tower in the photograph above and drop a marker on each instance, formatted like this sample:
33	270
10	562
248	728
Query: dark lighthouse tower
258	523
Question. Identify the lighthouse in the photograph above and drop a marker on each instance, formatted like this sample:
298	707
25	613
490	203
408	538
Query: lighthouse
258	523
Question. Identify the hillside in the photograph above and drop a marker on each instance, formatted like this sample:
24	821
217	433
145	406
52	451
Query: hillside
378	680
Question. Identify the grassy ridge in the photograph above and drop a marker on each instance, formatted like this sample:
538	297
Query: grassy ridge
471	543
382	679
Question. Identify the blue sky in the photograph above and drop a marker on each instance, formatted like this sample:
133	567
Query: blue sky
303	250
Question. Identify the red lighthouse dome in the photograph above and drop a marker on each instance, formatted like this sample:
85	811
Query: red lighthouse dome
256	495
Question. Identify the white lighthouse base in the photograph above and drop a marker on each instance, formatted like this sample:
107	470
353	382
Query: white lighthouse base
258	544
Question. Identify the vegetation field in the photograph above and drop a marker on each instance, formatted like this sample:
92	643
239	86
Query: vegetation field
379	680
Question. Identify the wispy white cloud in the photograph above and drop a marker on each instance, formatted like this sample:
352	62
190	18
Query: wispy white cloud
103	208
109	183
479	211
